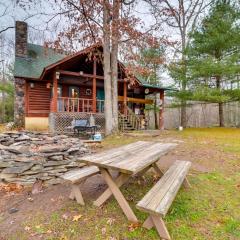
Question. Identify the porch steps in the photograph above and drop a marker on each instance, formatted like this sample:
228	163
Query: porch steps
127	123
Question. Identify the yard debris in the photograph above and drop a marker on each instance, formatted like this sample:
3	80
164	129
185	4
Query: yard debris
65	216
37	187
26	157
110	221
27	228
13	210
103	230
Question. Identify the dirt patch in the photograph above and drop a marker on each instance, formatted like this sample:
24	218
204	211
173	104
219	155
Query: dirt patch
50	200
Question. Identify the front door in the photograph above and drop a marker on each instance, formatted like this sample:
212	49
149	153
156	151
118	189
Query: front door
100	100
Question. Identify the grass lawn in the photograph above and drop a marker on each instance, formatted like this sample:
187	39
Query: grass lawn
209	210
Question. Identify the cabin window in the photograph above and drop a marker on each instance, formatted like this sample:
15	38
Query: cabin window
59	91
74	92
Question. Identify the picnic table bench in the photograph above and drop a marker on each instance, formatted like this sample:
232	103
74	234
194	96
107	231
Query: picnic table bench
75	177
159	199
128	160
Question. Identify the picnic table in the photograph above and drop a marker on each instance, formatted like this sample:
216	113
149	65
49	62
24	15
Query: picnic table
128	160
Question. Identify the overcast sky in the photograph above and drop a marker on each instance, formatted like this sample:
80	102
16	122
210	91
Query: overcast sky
11	12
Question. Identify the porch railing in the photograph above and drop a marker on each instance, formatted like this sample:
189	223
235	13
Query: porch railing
130	121
66	104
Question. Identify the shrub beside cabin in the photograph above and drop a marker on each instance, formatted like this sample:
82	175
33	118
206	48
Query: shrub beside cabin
52	89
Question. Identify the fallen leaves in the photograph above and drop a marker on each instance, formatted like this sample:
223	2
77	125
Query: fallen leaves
133	226
27	228
30	199
76	218
111	221
65	216
37	230
11	187
104	230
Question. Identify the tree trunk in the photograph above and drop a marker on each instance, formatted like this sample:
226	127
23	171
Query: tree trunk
184	79
183	102
183	114
155	111
221	116
107	69
114	64
220	105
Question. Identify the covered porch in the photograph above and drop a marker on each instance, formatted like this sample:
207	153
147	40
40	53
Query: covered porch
76	86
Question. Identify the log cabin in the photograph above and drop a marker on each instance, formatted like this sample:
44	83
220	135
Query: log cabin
52	89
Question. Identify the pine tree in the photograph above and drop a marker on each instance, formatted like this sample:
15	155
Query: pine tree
214	54
152	61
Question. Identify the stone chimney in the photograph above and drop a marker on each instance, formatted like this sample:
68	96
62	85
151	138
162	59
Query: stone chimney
21	39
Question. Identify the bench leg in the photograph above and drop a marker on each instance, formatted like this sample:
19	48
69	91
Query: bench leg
148	224
76	194
161	228
158	170
158	223
186	183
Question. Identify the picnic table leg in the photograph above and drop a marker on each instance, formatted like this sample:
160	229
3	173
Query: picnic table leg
121	179
158	170
119	196
140	174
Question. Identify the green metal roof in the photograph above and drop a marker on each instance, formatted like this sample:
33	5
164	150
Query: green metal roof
38	58
148	85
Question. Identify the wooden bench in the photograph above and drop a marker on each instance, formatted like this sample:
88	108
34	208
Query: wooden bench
77	176
159	199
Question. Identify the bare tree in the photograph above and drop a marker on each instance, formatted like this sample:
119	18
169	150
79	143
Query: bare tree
181	17
107	22
5	10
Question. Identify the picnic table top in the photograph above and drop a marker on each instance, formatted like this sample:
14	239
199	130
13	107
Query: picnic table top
130	158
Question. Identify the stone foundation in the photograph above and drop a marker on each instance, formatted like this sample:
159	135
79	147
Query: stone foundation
19	102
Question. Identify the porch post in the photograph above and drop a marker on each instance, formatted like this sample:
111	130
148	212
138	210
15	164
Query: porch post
94	87
161	120
125	96
55	93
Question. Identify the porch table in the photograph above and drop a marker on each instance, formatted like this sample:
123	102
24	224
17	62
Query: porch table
128	160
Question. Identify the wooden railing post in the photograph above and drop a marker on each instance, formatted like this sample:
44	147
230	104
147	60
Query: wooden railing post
125	97
55	91
94	90
161	120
